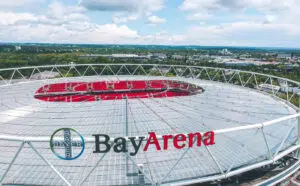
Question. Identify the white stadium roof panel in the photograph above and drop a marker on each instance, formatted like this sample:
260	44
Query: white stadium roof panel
234	112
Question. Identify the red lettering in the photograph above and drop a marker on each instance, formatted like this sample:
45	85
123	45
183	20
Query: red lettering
179	138
191	139
166	137
152	140
209	138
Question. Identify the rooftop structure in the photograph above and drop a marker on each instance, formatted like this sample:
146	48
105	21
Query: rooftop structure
259	125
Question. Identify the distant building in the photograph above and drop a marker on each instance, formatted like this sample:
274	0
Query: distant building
291	66
90	55
284	87
129	56
284	56
17	48
124	56
117	56
178	57
238	63
268	87
245	56
225	52
270	54
159	56
45	75
199	57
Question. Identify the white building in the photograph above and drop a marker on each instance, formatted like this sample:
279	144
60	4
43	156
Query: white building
177	57
284	56
45	75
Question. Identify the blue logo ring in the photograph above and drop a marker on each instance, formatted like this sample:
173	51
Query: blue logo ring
67	158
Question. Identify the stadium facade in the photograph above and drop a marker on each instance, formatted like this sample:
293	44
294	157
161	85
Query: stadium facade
252	125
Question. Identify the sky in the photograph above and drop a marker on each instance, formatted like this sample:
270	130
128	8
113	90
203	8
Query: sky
264	23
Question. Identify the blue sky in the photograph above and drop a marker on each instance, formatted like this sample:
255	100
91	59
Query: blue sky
272	23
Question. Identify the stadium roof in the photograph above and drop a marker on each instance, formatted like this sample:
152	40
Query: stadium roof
220	108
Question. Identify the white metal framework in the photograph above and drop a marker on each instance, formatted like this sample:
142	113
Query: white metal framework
255	122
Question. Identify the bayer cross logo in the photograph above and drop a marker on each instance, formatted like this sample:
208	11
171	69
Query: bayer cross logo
67	144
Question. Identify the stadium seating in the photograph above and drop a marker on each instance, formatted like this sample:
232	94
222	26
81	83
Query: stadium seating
104	90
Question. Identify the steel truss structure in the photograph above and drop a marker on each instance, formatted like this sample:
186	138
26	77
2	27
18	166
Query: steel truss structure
270	104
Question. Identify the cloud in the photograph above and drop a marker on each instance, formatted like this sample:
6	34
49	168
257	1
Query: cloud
117	19
10	18
163	37
127	10
110	5
60	24
212	5
270	19
244	34
56	14
155	20
199	16
123	6
263	6
274	25
21	5
70	33
198	5
17	3
263	26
